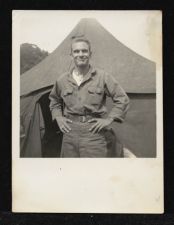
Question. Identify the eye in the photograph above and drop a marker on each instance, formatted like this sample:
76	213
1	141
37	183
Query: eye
84	50
76	51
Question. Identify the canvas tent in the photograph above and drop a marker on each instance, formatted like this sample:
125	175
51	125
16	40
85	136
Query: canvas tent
135	73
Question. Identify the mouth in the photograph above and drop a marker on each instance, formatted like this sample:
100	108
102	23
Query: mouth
81	59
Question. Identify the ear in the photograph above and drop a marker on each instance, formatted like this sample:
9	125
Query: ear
71	54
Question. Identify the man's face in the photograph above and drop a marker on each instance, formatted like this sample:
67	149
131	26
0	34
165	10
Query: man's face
81	54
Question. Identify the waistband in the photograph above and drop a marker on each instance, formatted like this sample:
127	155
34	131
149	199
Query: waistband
82	119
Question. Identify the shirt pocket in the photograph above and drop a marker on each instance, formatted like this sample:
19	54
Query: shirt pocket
95	95
67	96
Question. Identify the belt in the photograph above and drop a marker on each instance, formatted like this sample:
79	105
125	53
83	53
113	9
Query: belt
78	118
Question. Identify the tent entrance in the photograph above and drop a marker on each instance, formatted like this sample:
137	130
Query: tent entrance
52	140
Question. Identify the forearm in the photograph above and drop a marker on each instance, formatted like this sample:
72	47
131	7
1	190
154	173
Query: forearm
56	112
56	103
119	98
117	115
120	108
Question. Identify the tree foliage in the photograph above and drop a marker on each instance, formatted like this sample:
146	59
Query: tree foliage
30	55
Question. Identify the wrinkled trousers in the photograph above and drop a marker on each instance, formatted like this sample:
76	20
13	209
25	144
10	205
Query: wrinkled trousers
82	143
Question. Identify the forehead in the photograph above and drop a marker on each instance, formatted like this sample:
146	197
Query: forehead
80	45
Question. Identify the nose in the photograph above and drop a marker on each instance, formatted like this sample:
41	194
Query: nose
80	53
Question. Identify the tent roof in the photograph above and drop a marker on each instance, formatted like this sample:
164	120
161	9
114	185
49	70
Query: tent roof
135	73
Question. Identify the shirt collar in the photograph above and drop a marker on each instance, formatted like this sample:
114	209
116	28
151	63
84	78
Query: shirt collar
90	74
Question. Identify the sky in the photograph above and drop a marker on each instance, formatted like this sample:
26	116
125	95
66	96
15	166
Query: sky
138	30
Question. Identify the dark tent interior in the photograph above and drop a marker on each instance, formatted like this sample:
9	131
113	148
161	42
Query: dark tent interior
51	143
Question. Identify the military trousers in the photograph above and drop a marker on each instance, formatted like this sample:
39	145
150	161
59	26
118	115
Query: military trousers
82	143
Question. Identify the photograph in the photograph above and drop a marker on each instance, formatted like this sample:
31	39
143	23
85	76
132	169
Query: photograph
87	102
91	96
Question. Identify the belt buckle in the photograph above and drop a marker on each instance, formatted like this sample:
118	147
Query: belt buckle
83	119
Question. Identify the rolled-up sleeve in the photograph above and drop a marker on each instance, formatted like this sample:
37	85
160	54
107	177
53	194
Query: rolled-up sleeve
56	102
119	98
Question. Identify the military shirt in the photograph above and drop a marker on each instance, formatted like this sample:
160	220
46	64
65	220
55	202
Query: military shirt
89	98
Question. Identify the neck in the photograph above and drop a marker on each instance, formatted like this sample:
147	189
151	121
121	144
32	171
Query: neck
82	70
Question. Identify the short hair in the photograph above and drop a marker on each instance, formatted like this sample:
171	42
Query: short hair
76	39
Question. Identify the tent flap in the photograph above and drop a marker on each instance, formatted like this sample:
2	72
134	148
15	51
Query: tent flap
32	125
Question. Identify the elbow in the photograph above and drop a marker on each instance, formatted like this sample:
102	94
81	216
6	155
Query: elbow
127	102
127	99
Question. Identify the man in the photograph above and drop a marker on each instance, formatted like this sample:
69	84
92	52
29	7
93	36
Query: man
77	103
